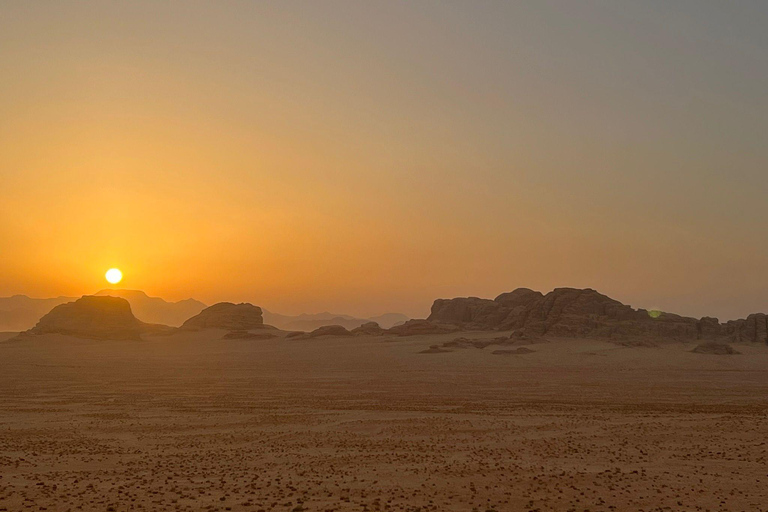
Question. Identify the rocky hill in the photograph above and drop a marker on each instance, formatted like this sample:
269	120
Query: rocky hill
225	315
570	312
108	318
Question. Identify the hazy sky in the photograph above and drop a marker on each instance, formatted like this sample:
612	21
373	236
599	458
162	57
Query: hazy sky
365	157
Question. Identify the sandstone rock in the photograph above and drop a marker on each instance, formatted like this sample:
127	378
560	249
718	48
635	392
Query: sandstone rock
225	315
709	328
467	312
108	318
565	312
754	328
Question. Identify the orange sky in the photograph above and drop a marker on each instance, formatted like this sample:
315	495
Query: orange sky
364	158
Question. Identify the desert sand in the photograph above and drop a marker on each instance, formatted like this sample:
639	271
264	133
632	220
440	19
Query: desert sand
196	422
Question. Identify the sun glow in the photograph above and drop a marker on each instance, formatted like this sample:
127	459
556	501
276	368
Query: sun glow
114	275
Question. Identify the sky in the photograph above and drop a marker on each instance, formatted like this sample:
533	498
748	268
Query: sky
364	157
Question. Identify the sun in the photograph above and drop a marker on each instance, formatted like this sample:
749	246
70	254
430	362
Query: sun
114	275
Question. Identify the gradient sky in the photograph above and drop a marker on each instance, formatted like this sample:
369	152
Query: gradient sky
365	157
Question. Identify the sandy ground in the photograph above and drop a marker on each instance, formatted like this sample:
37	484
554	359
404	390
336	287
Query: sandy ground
192	422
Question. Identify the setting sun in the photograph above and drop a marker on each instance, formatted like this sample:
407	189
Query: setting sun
114	275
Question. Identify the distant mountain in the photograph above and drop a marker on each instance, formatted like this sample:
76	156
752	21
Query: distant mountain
310	322
155	310
19	313
388	320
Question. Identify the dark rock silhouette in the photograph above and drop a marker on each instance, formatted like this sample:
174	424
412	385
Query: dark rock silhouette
225	315
570	312
754	328
108	318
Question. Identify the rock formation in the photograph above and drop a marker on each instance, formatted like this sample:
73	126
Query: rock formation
368	329
108	318
225	315
754	328
569	312
329	330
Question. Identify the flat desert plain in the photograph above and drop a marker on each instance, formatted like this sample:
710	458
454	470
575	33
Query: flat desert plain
194	422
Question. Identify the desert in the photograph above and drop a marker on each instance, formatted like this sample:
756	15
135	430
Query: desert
201	419
383	256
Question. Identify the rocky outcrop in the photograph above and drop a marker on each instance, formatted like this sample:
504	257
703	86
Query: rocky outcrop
368	329
710	328
754	328
570	312
329	330
228	316
107	318
470	313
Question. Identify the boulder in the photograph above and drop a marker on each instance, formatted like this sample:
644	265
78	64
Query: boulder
225	315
